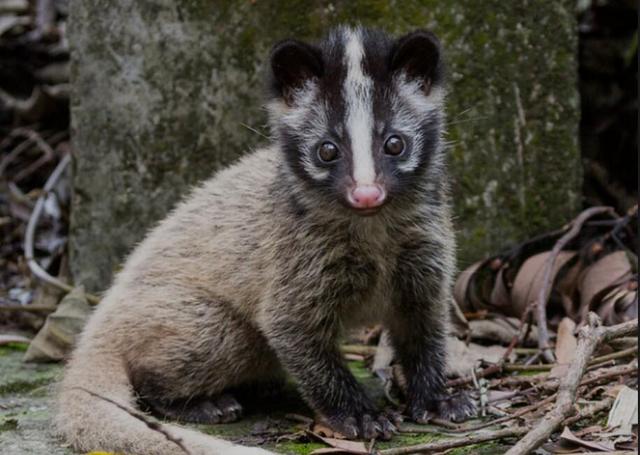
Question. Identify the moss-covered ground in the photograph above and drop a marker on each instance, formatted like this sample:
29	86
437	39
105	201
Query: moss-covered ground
26	406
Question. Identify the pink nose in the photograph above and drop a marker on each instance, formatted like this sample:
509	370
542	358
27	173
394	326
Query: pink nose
366	196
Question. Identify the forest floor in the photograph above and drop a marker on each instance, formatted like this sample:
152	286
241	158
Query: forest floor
26	406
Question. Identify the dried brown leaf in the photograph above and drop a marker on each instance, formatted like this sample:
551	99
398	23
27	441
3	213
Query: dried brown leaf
566	344
321	429
624	412
340	446
500	295
604	446
463	357
57	335
499	330
529	279
566	341
462	285
600	277
567	287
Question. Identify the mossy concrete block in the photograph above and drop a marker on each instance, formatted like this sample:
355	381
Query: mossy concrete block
166	92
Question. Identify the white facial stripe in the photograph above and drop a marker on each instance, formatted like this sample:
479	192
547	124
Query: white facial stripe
411	107
359	116
296	116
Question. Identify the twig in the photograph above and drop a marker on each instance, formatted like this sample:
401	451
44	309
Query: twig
47	155
29	308
155	426
523	367
515	415
549	366
29	235
8	339
618	370
518	380
299	418
545	289
590	336
492	369
614	355
438	446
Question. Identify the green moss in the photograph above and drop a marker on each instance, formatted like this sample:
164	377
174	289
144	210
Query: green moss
487	448
298	448
359	370
19	377
8	424
405	439
9	347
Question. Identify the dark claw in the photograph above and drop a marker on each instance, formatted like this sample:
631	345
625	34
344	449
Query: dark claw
349	428
210	413
394	416
366	427
420	416
229	408
387	429
456	408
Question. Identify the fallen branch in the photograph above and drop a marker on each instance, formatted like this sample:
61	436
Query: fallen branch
438	446
614	355
29	308
590	336
618	370
515	415
549	366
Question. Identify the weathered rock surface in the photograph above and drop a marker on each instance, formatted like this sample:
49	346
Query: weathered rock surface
166	92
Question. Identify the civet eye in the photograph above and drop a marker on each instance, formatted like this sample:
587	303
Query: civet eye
394	146
328	152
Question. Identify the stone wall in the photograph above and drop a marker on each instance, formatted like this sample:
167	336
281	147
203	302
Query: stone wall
166	92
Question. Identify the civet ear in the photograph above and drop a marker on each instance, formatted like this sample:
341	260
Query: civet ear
419	56
293	63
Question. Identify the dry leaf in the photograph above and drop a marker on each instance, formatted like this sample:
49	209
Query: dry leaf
624	412
57	335
567	287
620	304
603	446
463	358
462	285
500	295
566	344
530	278
321	429
600	277
501	330
340	446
